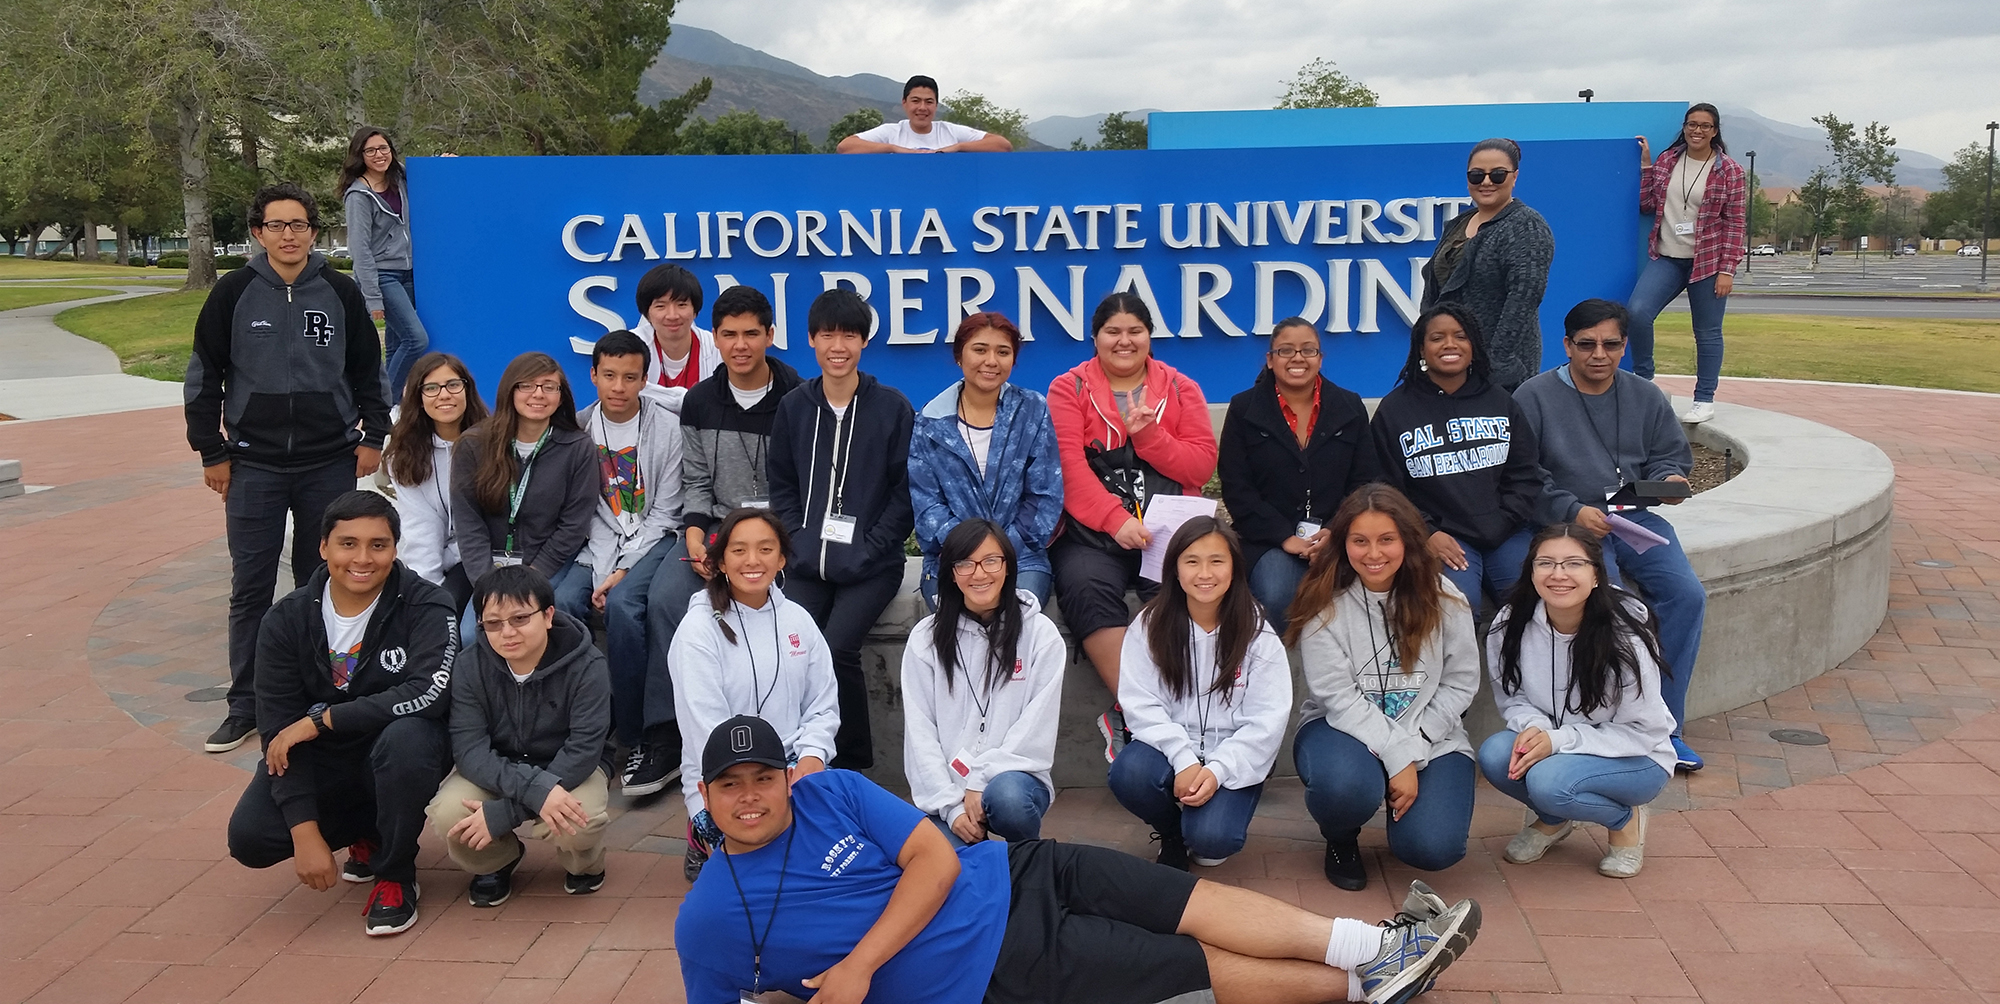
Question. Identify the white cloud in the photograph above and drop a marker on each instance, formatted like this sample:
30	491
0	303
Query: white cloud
1926	69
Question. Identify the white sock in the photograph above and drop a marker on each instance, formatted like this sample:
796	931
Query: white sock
1354	987
1353	943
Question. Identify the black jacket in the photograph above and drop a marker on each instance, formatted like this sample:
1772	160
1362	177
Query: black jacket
1500	278
556	510
285	376
521	740
405	669
1468	460
870	451
724	445
1267	479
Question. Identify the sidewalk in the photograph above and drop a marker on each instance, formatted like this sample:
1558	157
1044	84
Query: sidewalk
50	373
1859	871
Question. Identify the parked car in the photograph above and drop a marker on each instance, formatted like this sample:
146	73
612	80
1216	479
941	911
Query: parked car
1906	250
339	251
1827	249
1764	250
1969	251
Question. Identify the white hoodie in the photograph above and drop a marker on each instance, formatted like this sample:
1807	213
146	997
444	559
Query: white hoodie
611	546
1637	724
941	724
709	357
1237	740
779	656
428	546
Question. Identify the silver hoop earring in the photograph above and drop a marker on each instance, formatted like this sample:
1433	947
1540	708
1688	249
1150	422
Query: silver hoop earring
1423	366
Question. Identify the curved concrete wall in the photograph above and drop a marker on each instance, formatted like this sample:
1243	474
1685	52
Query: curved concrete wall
1794	552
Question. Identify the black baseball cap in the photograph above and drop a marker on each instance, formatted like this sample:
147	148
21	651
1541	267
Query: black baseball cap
743	739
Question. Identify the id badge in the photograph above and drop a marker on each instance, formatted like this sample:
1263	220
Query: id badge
1305	529
758	503
506	559
1609	493
961	764
1684	228
837	530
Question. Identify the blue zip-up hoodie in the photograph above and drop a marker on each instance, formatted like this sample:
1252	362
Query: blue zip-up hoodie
862	457
1022	486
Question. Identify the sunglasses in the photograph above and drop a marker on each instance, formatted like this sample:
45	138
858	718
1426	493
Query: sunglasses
1498	174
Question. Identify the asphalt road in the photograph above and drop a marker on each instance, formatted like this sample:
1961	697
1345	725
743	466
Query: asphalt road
1785	284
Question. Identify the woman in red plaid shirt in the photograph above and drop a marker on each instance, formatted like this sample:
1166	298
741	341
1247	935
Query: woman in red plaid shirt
1698	198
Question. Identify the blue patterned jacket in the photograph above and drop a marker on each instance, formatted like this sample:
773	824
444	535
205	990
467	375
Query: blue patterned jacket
1022	489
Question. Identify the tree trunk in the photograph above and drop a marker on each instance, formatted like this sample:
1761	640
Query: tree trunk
248	138
192	129
62	241
357	86
124	242
87	249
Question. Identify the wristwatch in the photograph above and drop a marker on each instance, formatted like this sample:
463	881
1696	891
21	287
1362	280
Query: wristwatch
318	715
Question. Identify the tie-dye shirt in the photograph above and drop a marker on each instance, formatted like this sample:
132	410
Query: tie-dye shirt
343	638
618	455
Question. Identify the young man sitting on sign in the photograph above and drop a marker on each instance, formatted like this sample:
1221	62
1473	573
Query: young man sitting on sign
923	131
851	895
353	674
678	354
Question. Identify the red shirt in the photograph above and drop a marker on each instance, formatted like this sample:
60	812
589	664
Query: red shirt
1292	419
691	373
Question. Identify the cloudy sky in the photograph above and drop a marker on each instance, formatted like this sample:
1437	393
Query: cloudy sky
1930	69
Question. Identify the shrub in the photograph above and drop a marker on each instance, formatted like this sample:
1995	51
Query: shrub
225	262
136	261
343	264
173	259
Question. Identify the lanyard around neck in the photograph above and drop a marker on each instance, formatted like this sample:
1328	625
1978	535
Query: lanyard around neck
1617	422
519	491
757	942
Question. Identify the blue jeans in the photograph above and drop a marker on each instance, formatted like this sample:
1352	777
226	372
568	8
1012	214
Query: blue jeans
254	514
1660	280
627	652
1014	802
403	335
1142	779
1493	570
564	584
1578	786
666	604
1274	580
1346	784
1034	581
1676	595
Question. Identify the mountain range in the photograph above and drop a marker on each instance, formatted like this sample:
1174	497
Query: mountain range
751	79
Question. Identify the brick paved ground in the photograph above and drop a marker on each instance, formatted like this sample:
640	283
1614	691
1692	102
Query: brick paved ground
1862	870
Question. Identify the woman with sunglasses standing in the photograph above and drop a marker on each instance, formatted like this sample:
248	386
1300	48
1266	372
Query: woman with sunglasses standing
1293	446
378	233
1699	200
1495	261
438	407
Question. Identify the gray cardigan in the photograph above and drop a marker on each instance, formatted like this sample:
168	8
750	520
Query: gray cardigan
1500	278
556	510
377	237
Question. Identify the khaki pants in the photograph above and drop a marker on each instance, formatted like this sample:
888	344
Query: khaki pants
579	853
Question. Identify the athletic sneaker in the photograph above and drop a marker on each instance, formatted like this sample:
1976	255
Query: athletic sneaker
582	885
392	908
1415	951
233	732
650	768
1701	412
1685	756
1344	867
358	867
1209	862
1111	725
1173	851
494	888
697	855
1422	902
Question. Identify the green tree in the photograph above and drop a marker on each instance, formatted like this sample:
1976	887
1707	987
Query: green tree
1792	223
857	121
1953	212
658	128
742	132
1820	201
979	112
1763	215
1898	216
1117	132
1319	84
1860	155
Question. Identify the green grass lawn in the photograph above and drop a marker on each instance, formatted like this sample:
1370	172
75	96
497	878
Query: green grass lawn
153	335
22	268
12	297
1908	352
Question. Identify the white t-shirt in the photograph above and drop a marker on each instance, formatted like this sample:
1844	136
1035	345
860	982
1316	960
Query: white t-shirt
673	367
1681	204
343	637
978	439
839	410
616	436
523	449
942	134
747	399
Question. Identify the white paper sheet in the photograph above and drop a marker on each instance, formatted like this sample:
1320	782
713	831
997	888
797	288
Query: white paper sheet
1162	518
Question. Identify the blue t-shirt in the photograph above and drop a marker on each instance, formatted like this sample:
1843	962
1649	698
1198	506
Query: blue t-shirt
841	873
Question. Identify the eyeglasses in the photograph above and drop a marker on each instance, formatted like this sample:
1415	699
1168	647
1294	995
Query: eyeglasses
280	226
374	151
1498	174
548	387
453	387
1697	127
1610	345
990	563
1302	351
517	622
1570	565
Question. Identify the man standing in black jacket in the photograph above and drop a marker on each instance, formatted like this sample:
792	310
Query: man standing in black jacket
284	404
353	679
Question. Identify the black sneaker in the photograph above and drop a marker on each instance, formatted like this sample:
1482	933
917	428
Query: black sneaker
233	732
649	769
582	885
697	855
392	908
1344	867
1173	851
493	888
359	867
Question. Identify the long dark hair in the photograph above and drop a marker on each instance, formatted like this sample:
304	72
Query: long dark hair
409	453
718	545
1122	302
495	464
1413	369
1416	599
1168	626
1681	138
1602	654
1003	630
356	165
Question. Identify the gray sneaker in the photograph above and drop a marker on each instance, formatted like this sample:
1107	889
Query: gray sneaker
1414	952
1421	902
1530	844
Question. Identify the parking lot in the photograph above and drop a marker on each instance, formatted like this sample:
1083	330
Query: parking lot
1873	272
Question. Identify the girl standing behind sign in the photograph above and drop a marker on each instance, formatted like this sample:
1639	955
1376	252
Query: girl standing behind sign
1495	261
378	235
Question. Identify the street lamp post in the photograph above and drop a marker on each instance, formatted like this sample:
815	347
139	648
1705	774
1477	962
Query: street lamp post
1750	212
1586	94
1986	217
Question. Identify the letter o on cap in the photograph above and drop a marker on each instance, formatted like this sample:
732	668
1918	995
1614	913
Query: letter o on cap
739	739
